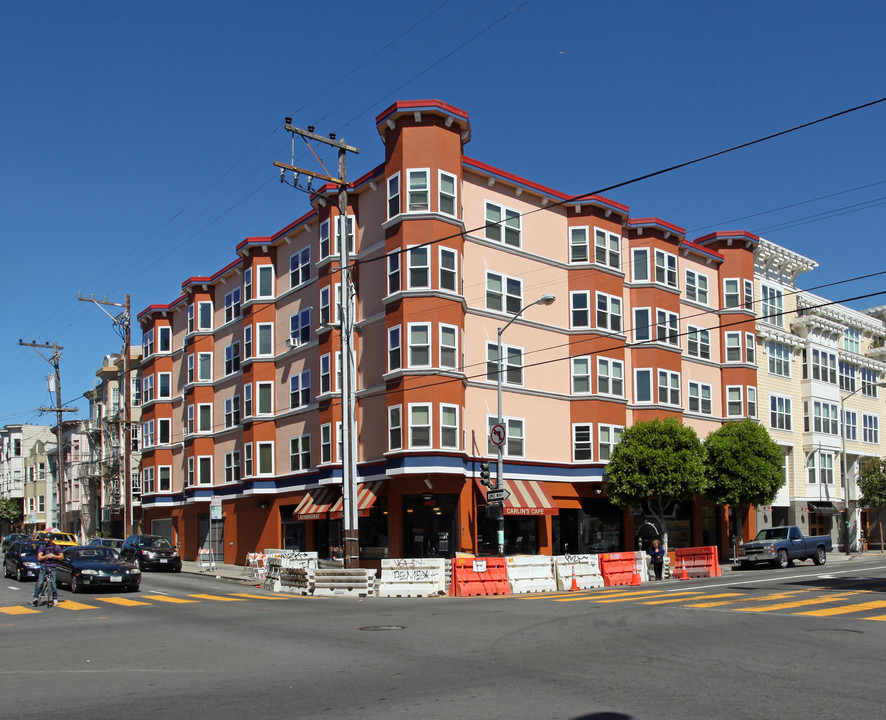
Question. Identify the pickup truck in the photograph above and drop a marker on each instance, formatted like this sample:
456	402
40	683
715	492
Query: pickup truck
780	546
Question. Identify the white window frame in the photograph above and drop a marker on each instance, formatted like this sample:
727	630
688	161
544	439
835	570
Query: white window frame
667	327
300	453
582	442
232	304
731	401
326	374
325	443
581	376
448	349
447	274
580	309
448	428
415	348
640	262
509	370
780	412
510	301
418	198
393	272
515	437
647	373
666	268
608	312
702	395
697	287
204	308
508	228
264	394
204	363
780	356
264	450
643	327
668	383
265	276
300	267
300	390
611	373
444	197
579	245
204	418
418	273
395	348
414	427
395	427
393	195
264	340
161	376
161	471
204	468
164	340
698	342
607	248
732	347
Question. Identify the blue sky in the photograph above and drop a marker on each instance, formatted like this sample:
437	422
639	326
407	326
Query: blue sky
137	139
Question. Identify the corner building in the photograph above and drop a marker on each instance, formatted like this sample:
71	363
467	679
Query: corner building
241	375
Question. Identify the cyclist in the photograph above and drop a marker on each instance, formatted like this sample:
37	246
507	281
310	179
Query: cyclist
48	554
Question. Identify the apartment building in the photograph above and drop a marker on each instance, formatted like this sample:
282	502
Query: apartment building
25	474
241	375
821	377
81	489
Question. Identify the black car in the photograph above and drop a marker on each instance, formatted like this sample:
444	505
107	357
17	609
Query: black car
11	538
115	543
151	552
21	560
93	566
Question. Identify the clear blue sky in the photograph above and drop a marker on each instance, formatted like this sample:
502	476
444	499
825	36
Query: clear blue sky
137	138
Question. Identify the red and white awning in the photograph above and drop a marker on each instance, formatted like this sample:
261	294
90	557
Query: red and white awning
367	494
315	505
527	497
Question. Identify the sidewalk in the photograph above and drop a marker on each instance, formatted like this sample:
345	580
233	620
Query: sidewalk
222	570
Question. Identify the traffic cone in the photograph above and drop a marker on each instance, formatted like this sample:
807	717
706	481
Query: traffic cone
635	577
681	571
574	584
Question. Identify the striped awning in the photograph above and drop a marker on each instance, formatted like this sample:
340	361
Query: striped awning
527	497
367	494
315	505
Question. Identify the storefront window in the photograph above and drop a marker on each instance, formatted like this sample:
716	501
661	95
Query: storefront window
601	526
374	532
429	525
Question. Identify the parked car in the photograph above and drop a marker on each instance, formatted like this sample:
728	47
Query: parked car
21	560
94	566
62	539
151	552
11	538
115	543
780	546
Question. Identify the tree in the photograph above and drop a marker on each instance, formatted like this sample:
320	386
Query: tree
657	462
10	510
872	484
743	466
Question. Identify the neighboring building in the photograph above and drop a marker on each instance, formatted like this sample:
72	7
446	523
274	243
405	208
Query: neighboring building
241	373
80	493
820	366
118	488
25	474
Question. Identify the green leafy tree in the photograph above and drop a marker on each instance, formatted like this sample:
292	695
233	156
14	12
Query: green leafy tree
872	484
657	462
743	466
10	511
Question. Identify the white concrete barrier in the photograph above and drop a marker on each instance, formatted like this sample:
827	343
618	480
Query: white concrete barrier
413	577
353	582
531	573
585	569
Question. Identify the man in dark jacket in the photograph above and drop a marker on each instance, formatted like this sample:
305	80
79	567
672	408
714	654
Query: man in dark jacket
48	554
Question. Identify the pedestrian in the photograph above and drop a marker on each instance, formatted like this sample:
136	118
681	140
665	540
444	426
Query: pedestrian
656	558
48	554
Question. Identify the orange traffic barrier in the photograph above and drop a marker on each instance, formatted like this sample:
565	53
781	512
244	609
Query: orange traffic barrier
699	562
479	576
617	568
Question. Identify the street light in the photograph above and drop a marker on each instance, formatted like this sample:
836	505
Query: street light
499	482
843	469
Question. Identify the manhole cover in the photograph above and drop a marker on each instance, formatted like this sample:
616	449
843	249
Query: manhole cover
380	628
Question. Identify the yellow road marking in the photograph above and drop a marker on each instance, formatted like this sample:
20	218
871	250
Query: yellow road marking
167	598
220	598
844	609
14	610
797	603
776	596
123	601
260	597
683	599
71	605
644	596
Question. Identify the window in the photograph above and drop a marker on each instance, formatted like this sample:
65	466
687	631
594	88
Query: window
232	305
697	287
420	426
514	439
247	284
148	388
191	318
580	308
503	293
748	294
512	364
578	245
204	470
824	464
870	428
640	264
608	436
247	342
824	417
325	317
300	390
847	377
338	226
247	459
667	327
164	339
300	327
771	305
449	433
418	191
148	480
264	336
148	342
733	347
823	366
447	200
449	347
300	453
665	268
247	400
325	374
581	375
232	466
779	412
204	417
751	394
394	272
164	385
189	421
204	367
393	195
852	339
164	478
395	427
607	249
264	398
232	411
204	316
326	443
503	225
610	377
850	425
582	443
232	358
698	342
134	431
325	246
300	267
700	398
419	273
868	383
419	345
265	281
608	312
779	359
448	269
642	324
394	349
734	403
643	386
731	297
668	387
164	431
264	452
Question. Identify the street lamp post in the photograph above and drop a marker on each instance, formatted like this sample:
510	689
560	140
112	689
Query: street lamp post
843	469
499	481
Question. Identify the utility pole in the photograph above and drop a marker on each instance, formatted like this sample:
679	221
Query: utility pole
59	411
348	356
122	326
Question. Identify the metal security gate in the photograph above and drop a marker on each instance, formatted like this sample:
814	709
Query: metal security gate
217	542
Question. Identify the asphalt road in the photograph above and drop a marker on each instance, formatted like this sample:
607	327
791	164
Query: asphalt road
799	643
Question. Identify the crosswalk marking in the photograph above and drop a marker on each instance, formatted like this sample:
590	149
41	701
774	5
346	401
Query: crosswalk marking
126	602
15	610
797	603
646	596
844	609
72	605
683	599
748	598
167	598
220	598
254	596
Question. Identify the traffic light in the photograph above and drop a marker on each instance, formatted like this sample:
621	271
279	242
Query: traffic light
484	474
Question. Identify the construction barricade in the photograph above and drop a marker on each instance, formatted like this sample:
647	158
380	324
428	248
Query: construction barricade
270	580
697	562
206	558
256	567
531	573
424	577
352	582
479	576
619	569
578	572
